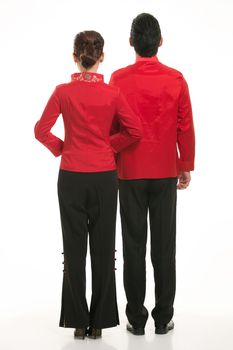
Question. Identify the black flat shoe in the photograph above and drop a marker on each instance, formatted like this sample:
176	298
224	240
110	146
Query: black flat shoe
135	330
80	333
164	329
94	333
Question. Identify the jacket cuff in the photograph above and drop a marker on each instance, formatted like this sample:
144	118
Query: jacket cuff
183	165
56	149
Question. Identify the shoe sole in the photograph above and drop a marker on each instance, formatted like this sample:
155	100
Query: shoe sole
94	337
138	332
79	337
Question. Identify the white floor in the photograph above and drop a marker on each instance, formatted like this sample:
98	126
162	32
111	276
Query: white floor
39	331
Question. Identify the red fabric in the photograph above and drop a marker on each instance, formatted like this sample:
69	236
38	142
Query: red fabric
159	96
88	107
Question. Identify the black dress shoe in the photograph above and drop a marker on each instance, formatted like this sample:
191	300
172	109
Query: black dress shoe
164	329
135	330
80	333
94	333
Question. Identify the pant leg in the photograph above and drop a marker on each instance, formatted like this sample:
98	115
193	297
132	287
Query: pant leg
72	201
162	213
102	205
133	210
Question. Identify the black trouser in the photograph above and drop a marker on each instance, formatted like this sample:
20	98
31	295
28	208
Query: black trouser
136	198
88	203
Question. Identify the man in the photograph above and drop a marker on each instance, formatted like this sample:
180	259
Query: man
150	173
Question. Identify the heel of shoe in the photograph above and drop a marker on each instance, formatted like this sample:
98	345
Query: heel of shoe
164	329
94	333
80	333
135	330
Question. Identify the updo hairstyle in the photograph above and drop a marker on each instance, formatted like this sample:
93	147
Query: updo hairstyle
88	47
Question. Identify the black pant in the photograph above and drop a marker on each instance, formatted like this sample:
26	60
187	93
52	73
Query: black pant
88	203
136	198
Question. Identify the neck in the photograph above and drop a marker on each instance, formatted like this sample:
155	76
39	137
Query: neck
92	69
138	56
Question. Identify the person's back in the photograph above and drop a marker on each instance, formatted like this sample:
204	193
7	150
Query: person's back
159	95
88	106
148	174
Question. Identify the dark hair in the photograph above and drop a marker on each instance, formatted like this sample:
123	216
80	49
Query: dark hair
145	35
88	47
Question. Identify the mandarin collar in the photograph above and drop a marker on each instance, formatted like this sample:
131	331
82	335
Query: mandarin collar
147	59
89	77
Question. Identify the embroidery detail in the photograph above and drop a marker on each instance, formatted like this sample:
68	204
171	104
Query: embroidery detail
88	77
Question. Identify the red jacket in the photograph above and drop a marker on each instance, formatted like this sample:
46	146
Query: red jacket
88	107
159	96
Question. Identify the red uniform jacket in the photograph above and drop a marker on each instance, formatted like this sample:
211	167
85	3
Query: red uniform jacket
159	96
88	107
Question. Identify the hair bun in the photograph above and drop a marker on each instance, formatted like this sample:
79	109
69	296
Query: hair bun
87	61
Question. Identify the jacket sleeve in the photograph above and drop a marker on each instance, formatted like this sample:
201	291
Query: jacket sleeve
115	128
126	127
46	122
185	131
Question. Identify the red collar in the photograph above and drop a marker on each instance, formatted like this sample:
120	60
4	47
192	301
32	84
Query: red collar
147	59
89	77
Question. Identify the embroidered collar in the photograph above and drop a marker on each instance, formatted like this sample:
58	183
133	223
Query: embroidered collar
147	59
88	77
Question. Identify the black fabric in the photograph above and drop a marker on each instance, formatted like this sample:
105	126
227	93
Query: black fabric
88	203
137	198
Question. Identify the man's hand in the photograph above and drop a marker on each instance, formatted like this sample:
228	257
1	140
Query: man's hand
184	179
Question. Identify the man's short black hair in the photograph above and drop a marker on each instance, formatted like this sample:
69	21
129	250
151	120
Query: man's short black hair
145	35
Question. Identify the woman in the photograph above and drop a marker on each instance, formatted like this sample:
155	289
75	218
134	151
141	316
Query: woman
87	184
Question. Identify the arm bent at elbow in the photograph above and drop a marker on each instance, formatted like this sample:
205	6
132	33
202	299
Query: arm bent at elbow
130	129
43	126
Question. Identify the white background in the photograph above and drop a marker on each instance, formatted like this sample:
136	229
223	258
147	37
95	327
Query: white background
36	41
